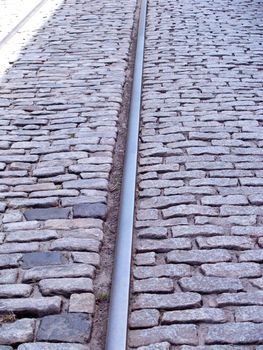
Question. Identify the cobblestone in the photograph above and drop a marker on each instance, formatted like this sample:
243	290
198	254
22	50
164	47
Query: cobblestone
175	334
17	332
197	315
235	333
74	327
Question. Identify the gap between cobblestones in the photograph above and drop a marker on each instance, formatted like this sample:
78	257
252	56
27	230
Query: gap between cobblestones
102	283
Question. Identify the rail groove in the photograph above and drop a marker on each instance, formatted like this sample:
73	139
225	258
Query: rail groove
119	305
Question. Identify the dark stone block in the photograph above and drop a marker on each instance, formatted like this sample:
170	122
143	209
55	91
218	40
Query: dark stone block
90	210
71	328
47	213
42	259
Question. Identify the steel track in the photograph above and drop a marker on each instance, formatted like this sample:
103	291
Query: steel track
116	338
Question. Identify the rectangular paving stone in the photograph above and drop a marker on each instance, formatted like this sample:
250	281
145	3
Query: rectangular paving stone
162	246
166	201
15	290
155	285
31	306
47	213
191	209
230	242
197	230
163	270
7	248
42	259
196	257
31	235
249	314
17	332
144	318
202	284
52	346
90	210
214	347
67	271
235	333
72	327
206	315
239	270
249	298
10	260
84	302
8	276
175	334
79	244
86	258
62	224
156	346
173	301
65	286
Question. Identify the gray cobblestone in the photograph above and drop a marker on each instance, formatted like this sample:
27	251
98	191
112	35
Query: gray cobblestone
52	346
31	306
144	318
17	332
207	315
239	270
234	333
161	246
175	334
84	302
67	271
75	327
167	301
165	270
160	285
156	346
210	284
65	286
195	257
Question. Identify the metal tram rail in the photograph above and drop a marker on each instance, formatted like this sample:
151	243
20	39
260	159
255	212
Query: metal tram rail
116	338
21	23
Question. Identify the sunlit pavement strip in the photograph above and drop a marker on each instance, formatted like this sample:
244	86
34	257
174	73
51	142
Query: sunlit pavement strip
11	13
198	266
59	108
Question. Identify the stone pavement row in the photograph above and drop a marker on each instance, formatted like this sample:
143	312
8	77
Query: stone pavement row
58	124
197	273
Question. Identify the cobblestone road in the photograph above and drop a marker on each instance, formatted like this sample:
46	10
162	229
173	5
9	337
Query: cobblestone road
58	124
198	266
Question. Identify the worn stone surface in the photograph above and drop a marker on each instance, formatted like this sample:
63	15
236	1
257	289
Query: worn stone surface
144	318
84	302
156	346
90	210
65	286
42	259
167	301
47	213
207	315
210	284
235	333
175	334
17	332
70	270
31	306
72	327
52	346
